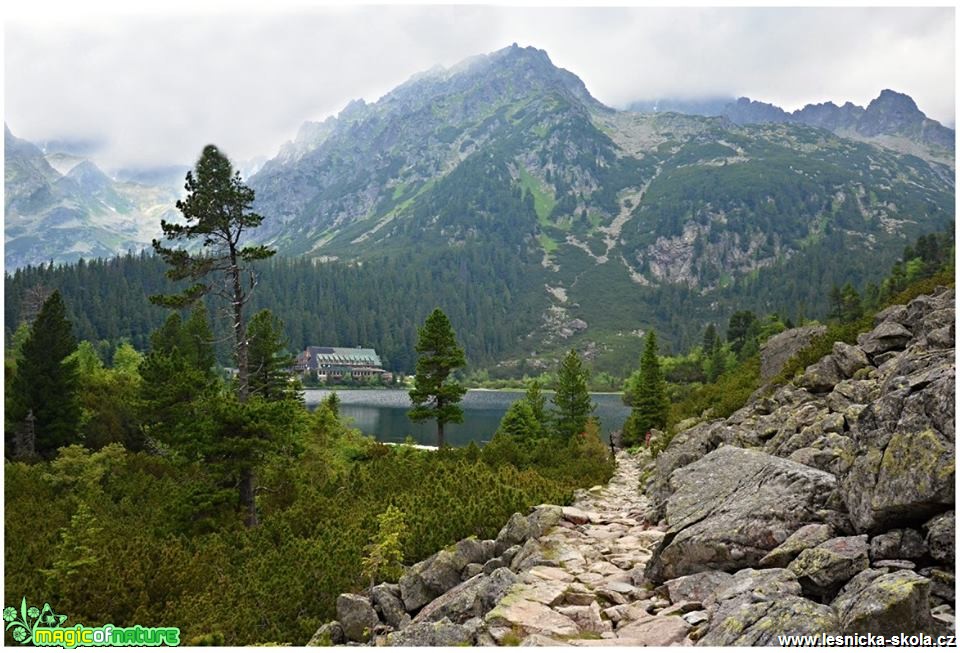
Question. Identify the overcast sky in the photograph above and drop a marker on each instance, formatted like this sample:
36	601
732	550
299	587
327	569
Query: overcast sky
153	89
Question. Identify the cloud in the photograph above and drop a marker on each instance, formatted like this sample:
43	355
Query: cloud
157	87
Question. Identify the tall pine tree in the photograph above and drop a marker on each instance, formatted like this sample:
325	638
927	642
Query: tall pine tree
217	212
572	399
45	411
648	397
434	394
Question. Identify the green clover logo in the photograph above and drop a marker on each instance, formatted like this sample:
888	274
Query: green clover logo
25	621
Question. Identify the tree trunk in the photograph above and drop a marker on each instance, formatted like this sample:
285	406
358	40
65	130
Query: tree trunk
248	496
439	434
239	332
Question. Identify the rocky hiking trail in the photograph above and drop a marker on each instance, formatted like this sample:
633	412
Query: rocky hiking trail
825	505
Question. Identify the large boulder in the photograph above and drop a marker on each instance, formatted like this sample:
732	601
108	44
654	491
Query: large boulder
732	507
849	359
763	623
357	617
779	349
904	465
822	376
686	447
941	537
430	578
386	599
517	530
825	568
885	604
329	634
888	336
472	598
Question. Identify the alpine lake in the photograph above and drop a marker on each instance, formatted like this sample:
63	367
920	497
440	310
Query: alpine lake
382	413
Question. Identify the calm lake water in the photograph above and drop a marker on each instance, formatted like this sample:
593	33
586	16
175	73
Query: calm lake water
383	414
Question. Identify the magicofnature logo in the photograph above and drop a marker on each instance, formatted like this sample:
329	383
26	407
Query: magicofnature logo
44	627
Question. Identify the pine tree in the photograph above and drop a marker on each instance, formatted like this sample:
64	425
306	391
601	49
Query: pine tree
710	340
216	213
572	398
537	402
650	407
434	395
44	388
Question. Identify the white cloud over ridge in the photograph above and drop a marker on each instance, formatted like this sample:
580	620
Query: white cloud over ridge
155	88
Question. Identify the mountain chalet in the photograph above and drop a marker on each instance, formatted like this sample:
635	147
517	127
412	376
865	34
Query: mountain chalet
339	363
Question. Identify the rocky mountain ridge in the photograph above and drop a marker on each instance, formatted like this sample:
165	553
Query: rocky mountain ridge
59	207
892	119
823	506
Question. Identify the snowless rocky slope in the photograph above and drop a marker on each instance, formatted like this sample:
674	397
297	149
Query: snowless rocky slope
826	506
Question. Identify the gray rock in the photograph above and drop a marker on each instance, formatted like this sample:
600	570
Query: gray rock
776	351
942	583
903	467
762	623
685	448
357	617
893	565
469	551
941	537
888	336
751	586
898	544
508	555
803	538
543	518
389	604
884	604
696	587
849	359
430	578
493	564
822	377
441	633
471	570
413	590
329	634
472	598
732	507
516	531
826	568
489	549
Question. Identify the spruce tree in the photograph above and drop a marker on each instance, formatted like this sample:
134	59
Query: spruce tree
434	394
217	212
572	399
269	360
650	405
535	399
44	388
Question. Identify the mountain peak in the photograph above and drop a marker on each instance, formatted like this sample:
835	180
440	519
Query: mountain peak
894	100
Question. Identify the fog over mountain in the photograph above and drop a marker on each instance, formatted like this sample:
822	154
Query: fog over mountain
150	90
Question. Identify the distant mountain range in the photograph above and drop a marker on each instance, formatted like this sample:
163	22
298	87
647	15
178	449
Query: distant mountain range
614	220
61	207
891	120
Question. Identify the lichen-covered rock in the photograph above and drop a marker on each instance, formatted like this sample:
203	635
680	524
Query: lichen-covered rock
803	538
904	465
430	578
762	623
849	359
517	530
825	568
329	634
732	507
941	537
884	604
469	551
695	587
357	617
543	518
751	586
587	618
389	604
471	570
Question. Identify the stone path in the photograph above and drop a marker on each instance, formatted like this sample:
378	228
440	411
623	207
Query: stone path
586	585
